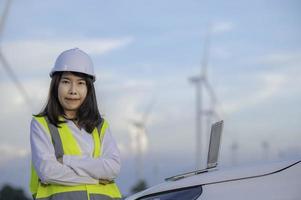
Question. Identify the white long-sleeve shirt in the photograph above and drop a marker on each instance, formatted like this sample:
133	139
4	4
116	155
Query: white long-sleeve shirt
75	170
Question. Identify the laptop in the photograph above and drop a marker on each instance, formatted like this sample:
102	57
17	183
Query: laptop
213	152
214	144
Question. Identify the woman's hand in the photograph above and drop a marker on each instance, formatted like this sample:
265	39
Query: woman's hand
104	181
60	160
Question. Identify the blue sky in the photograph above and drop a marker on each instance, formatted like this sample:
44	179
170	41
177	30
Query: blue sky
145	51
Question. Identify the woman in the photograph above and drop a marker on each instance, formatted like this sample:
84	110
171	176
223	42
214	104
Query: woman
74	156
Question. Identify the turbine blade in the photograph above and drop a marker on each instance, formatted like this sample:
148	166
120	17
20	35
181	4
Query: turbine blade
210	91
213	97
206	53
147	112
4	16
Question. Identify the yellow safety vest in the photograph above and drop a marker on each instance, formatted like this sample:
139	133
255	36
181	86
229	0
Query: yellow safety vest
79	192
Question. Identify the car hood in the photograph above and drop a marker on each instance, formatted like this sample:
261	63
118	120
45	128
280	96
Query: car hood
220	175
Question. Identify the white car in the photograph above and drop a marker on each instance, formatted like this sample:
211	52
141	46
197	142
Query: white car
272	181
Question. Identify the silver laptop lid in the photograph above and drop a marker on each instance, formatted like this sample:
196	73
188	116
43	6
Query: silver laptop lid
214	144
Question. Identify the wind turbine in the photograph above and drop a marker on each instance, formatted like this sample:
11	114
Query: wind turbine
265	145
140	138
234	149
5	64
202	84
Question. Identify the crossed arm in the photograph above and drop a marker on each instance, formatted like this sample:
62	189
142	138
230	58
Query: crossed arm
72	170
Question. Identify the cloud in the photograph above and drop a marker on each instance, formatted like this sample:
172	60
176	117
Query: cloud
34	54
284	59
268	86
222	27
13	101
11	152
278	77
220	52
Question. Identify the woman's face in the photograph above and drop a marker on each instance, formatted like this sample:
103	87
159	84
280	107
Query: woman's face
72	92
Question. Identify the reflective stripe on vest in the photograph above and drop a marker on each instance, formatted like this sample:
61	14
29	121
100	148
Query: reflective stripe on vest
65	143
78	195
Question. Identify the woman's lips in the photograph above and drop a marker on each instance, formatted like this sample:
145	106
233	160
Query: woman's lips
69	99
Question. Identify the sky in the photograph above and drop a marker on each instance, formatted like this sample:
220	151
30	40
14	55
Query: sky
144	53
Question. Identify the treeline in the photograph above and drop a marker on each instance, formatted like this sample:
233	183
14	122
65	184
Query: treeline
8	192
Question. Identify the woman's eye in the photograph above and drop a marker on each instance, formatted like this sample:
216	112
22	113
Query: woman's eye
64	81
82	83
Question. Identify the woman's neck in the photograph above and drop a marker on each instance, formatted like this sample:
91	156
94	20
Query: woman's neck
71	115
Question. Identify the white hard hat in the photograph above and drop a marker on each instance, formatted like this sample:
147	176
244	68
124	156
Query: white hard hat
74	60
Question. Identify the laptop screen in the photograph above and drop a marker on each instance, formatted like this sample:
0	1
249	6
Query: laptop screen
214	144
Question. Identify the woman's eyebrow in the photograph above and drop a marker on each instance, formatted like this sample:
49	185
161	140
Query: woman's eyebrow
65	77
79	79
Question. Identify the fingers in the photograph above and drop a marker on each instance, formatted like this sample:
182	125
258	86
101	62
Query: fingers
60	160
104	181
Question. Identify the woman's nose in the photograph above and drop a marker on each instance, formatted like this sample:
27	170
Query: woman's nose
72	89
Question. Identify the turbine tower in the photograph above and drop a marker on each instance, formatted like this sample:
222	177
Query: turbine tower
265	145
234	150
5	64
202	85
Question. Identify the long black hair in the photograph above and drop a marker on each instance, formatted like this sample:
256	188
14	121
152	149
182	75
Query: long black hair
88	115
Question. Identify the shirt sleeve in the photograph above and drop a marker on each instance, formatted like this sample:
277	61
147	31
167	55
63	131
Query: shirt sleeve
45	163
107	166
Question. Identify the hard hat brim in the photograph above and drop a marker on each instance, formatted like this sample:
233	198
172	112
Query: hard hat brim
88	75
